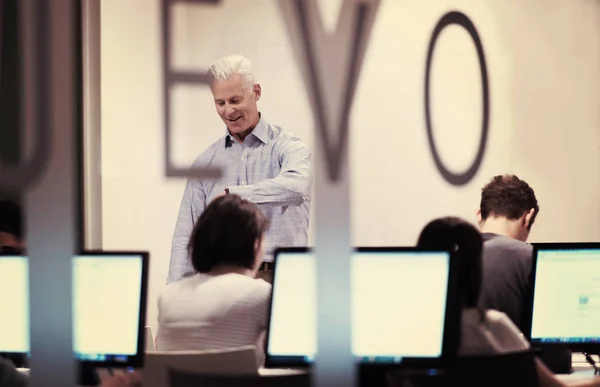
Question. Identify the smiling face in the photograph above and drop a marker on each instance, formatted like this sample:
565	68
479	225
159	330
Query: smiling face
237	105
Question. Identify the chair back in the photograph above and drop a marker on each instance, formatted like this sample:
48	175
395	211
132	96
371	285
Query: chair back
149	338
236	361
188	379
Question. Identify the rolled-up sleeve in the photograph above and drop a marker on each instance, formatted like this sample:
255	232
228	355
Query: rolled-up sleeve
293	184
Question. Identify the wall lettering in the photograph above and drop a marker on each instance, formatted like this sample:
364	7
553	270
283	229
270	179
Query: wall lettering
330	65
462	20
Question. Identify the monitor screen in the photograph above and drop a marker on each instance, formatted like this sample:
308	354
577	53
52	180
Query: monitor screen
109	307
566	297
14	304
398	306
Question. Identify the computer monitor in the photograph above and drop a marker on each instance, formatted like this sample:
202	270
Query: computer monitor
14	304
109	308
404	308
565	307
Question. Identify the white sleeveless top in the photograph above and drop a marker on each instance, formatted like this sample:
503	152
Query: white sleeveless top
495	335
206	312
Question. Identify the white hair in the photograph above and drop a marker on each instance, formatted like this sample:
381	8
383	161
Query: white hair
223	68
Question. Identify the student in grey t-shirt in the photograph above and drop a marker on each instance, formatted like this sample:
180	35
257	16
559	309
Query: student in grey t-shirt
506	270
506	213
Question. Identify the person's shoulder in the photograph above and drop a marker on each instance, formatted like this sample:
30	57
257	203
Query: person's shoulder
257	284
263	287
505	331
496	317
499	322
492	319
255	289
209	153
175	287
283	136
501	242
495	239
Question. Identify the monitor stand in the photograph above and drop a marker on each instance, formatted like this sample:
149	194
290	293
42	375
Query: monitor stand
88	376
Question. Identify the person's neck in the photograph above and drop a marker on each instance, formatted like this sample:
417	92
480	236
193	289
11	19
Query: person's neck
230	269
240	137
499	226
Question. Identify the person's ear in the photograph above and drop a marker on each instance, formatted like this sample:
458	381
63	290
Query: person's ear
256	246
527	218
259	252
479	218
257	91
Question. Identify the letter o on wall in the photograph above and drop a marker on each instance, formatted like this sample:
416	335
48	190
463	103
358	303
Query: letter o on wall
459	18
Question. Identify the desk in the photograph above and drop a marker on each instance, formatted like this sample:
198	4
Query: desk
578	375
580	364
279	371
24	371
261	371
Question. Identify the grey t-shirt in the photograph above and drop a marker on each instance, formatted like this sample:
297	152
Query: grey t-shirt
506	287
506	277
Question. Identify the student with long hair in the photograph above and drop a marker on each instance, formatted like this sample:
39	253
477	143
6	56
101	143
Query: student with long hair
483	332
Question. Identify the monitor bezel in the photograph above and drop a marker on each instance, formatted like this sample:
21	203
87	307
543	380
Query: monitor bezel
551	246
451	318
137	360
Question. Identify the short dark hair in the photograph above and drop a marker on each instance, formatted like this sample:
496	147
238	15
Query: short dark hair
508	196
11	218
226	233
456	234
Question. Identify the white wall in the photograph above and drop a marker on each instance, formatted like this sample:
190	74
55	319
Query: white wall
544	67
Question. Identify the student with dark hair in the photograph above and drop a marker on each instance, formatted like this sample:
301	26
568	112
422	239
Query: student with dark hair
507	211
508	205
483	331
223	305
11	227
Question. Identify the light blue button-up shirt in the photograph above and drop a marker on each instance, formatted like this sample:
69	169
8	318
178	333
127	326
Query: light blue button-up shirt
270	168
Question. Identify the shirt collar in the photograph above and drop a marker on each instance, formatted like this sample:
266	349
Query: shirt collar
261	132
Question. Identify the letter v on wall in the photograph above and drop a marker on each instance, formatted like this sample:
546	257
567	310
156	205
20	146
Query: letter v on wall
330	65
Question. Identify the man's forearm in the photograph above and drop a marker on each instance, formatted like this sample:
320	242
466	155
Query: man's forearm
271	192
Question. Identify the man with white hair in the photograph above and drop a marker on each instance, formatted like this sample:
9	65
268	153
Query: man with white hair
261	163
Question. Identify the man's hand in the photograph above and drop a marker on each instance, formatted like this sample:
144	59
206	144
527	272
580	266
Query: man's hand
222	193
129	379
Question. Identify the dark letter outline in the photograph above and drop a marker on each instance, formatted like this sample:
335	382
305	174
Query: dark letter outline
459	18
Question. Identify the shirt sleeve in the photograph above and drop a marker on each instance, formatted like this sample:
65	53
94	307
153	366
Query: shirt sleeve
291	186
192	205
